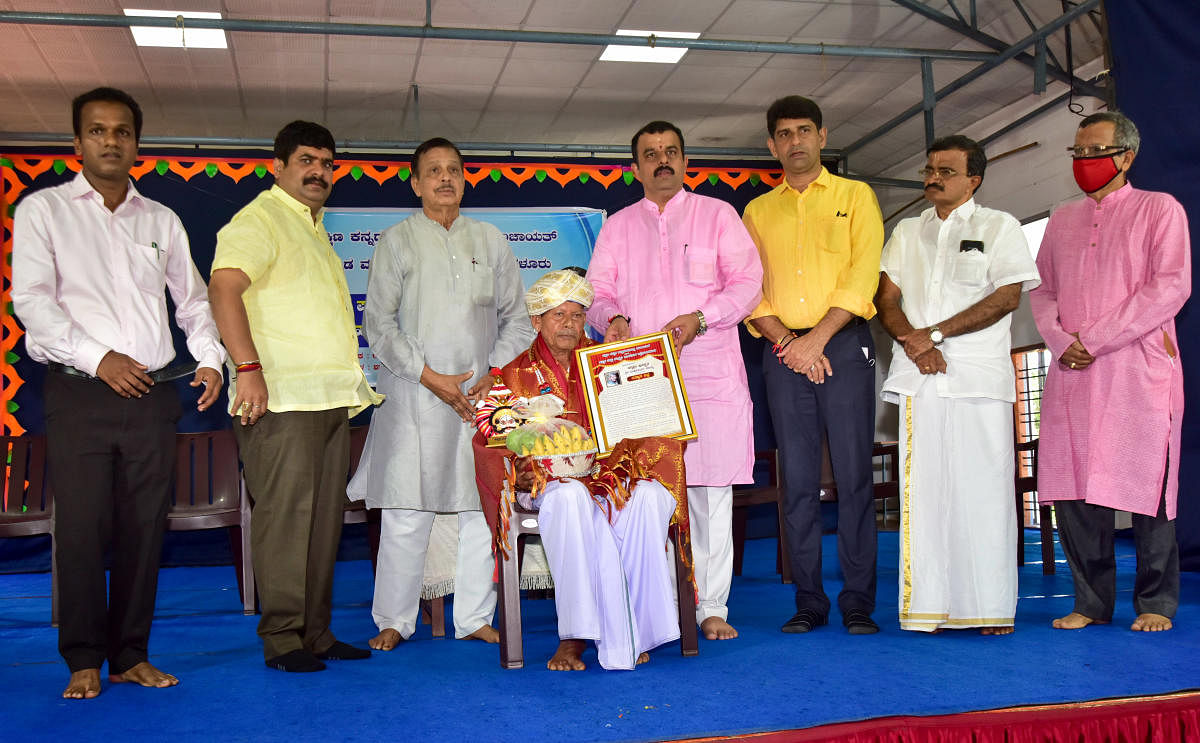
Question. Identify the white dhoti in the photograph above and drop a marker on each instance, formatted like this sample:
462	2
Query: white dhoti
403	578
957	514
611	580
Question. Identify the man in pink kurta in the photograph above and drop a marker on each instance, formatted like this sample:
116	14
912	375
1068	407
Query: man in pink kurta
1115	269
681	262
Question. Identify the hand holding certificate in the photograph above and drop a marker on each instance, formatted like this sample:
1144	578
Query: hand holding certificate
634	389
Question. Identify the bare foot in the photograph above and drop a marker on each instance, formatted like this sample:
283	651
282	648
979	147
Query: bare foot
995	630
487	633
84	684
1149	622
385	640
568	657
643	658
144	674
715	628
1074	620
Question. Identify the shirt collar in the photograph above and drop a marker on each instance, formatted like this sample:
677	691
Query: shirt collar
80	187
295	205
962	212
679	197
824	179
429	221
1116	196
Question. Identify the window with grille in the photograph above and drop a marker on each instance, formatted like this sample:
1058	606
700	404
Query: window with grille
1031	364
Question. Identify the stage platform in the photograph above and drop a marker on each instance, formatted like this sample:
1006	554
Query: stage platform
766	685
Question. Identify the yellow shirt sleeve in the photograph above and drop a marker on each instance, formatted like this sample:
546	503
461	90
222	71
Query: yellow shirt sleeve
857	282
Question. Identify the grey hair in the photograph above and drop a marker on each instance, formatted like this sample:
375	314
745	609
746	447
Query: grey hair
1125	133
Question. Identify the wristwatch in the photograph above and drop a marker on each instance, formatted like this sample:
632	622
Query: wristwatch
935	335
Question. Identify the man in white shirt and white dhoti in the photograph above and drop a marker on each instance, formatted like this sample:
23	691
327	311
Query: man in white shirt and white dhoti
444	305
950	279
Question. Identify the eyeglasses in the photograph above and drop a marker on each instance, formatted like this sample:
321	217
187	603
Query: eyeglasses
1096	150
943	173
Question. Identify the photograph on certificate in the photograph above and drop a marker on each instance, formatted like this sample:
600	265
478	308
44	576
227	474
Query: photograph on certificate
634	390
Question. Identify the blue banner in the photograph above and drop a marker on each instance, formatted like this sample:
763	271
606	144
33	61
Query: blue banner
543	239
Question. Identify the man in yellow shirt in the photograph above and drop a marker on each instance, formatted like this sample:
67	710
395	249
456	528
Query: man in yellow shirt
279	297
819	237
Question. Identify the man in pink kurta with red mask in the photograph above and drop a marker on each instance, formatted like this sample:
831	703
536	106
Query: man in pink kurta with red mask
1115	269
681	262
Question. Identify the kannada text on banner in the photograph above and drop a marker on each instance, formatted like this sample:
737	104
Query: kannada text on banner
543	239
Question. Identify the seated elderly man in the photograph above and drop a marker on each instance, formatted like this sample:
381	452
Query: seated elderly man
606	554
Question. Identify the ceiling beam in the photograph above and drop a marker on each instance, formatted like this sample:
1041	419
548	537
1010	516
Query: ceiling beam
974	75
330	28
999	45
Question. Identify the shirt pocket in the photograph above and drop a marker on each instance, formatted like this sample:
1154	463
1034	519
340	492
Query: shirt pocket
969	269
148	265
836	233
483	284
700	268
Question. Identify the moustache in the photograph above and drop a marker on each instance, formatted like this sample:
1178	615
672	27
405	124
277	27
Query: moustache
664	169
935	186
316	180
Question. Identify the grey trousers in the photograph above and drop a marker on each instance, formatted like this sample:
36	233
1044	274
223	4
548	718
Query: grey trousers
1086	534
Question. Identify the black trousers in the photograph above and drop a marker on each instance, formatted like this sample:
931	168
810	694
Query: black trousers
295	465
1086	534
843	408
111	462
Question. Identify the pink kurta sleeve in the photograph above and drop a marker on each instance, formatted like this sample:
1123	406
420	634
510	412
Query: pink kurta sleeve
741	273
602	273
1043	301
1160	297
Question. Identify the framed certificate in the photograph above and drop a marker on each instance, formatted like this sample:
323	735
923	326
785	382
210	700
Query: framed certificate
633	389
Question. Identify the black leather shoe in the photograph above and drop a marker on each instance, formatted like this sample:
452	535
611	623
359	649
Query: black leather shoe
804	621
296	661
343	651
859	622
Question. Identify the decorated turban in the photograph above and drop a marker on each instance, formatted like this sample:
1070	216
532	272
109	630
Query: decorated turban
555	288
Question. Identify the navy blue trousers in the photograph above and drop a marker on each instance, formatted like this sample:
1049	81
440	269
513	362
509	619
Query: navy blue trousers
843	409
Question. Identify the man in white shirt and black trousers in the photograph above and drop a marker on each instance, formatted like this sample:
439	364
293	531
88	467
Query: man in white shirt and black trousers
91	258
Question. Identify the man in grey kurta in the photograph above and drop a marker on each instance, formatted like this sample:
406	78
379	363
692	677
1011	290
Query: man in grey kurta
444	305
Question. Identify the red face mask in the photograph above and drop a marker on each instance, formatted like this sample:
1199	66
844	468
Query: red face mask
1094	173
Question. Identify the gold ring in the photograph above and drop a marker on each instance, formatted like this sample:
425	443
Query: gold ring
1072	364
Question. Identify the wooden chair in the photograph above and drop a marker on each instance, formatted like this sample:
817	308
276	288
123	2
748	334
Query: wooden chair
888	486
433	611
522	524
1027	483
887	453
745	496
208	494
25	498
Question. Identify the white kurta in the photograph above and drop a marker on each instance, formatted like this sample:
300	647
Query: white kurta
957	519
452	300
611	580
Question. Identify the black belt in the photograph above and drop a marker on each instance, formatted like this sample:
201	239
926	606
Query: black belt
854	323
165	374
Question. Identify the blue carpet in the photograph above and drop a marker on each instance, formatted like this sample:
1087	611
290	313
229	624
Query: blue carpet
453	690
